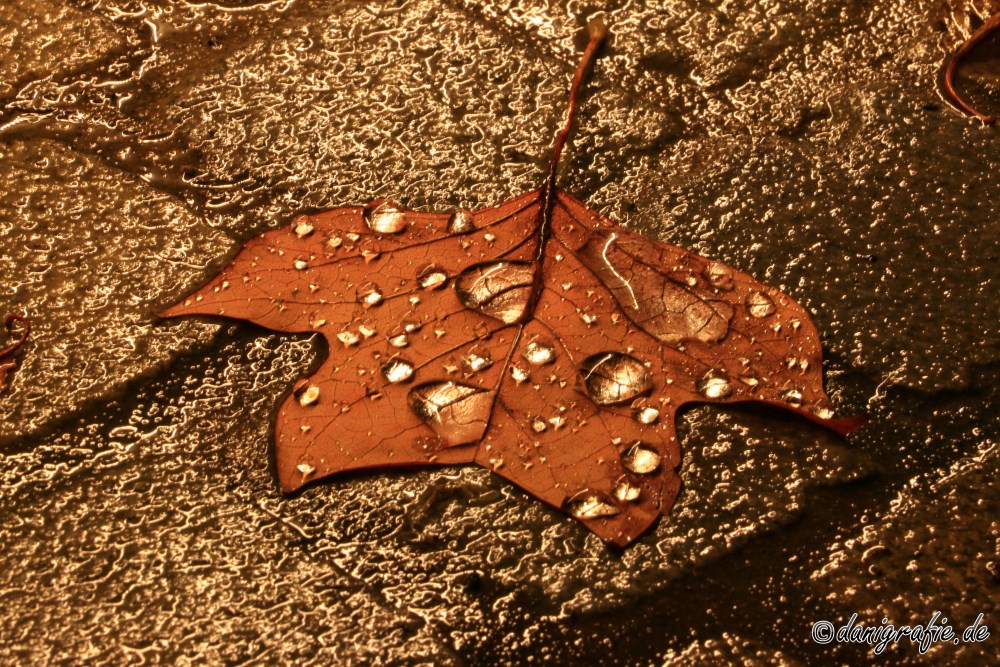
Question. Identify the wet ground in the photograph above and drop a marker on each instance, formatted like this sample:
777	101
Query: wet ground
142	141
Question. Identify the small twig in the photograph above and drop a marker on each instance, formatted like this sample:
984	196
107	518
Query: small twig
985	30
11	349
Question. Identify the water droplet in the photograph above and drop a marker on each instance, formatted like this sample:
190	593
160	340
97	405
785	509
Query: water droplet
823	413
591	506
402	340
461	222
538	425
306	469
385	217
499	289
458	413
309	395
612	377
539	353
348	338
411	326
715	384
519	374
432	277
369	295
625	491
303	229
301	264
750	379
473	363
397	370
760	304
367	329
643	413
793	397
719	276
641	459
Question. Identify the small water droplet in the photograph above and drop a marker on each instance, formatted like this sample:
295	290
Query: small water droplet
397	370
301	264
401	340
309	395
760	304
369	295
641	459
411	326
644	413
306	469
539	353
385	217
719	276
715	384
348	338
519	374
538	425
461	222
750	379
334	242
612	377
432	277
793	397
591	506
303	229
367	329
625	491
473	362
823	413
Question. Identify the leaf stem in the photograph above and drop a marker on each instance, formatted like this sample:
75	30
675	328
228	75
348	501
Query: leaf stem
598	32
985	30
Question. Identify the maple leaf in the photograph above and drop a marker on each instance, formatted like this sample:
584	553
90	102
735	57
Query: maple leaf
536	338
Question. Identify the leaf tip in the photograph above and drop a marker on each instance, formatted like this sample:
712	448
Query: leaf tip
847	425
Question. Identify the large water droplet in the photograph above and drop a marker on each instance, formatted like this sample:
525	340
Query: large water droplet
760	304
385	217
715	384
397	370
625	491
613	377
458	413
539	353
369	295
499	289
641	459
461	222
432	277
591	506
309	395
473	362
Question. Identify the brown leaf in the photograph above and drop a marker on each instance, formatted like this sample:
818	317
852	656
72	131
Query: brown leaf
536	338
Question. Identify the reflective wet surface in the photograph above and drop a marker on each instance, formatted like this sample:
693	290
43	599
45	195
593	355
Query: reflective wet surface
143	141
